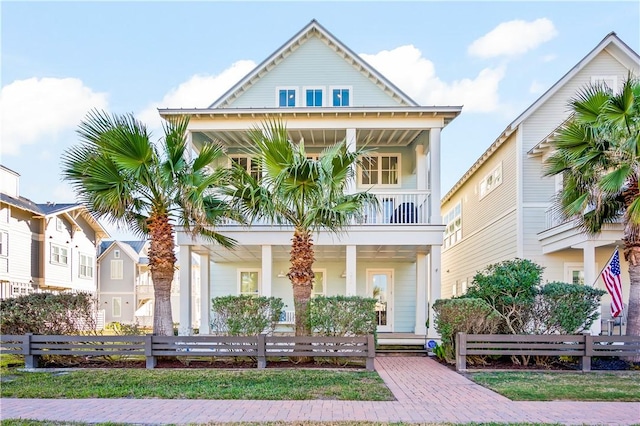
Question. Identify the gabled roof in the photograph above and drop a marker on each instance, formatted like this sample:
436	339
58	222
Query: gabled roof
21	203
54	208
313	29
132	249
612	43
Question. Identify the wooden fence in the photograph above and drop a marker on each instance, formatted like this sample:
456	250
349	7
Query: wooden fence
260	347
580	345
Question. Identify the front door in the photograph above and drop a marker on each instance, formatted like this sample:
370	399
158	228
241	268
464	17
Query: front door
380	285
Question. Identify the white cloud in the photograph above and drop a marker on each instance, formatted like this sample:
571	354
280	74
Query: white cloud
63	193
536	87
549	58
197	92
513	38
415	75
36	109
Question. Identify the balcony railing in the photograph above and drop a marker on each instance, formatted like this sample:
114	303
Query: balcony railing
554	218
403	207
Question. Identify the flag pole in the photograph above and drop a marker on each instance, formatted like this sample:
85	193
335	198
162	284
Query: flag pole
605	266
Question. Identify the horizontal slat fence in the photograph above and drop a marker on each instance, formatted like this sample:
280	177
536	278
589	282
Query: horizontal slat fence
261	347
582	345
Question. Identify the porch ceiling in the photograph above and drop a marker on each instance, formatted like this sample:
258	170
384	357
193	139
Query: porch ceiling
318	137
322	253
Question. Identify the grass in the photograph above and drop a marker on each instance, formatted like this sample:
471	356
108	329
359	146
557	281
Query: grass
22	422
536	386
294	384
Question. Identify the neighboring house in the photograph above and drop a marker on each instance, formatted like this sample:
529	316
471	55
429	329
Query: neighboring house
325	93
44	247
125	287
501	208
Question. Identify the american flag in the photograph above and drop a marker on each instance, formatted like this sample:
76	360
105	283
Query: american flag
611	278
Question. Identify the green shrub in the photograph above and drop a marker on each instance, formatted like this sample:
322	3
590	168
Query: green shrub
48	313
565	308
509	287
342	316
120	329
466	315
245	315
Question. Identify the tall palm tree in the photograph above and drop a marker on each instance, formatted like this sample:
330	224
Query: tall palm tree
298	191
148	188
597	151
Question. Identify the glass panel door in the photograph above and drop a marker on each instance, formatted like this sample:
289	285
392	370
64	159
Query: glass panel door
380	284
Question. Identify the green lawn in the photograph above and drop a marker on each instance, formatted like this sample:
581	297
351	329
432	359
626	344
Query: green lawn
293	384
535	386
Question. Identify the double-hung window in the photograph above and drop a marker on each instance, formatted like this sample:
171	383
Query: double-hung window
453	222
86	266
117	269
249	164
380	169
319	285
59	255
491	181
249	282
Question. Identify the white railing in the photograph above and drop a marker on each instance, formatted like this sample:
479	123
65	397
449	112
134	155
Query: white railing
553	218
402	207
287	317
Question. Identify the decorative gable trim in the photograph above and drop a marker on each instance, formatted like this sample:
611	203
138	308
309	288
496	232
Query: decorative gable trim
313	29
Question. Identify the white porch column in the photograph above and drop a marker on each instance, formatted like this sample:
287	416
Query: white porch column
434	287
205	295
185	291
421	293
434	178
351	147
267	270
350	288
421	167
589	267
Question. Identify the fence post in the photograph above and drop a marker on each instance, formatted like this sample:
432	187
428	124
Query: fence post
588	352
262	350
461	352
148	351
371	352
30	361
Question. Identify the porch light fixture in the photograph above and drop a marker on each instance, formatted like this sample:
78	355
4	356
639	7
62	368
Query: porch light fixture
344	274
281	274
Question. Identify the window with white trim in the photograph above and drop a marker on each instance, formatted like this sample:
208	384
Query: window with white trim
59	224
59	255
4	244
249	164
116	307
453	222
117	269
380	169
314	96
5	213
286	97
319	285
340	96
610	81
86	266
249	281
491	181
574	273
116	254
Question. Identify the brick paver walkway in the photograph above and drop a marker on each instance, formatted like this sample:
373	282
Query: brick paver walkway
425	391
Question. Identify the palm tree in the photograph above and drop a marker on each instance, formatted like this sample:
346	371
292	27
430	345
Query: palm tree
597	151
123	177
298	191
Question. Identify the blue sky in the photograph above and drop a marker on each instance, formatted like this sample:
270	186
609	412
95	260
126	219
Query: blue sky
59	59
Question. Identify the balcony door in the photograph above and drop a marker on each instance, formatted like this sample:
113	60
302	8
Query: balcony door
380	287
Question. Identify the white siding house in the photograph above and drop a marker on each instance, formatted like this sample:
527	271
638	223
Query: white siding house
325	93
45	247
505	200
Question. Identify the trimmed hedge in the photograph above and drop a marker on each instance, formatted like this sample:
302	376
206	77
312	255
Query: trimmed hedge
342	316
245	315
48	313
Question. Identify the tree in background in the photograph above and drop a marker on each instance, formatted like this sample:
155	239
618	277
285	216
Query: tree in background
149	189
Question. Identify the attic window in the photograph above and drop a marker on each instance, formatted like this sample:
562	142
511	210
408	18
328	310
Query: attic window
341	96
116	254
286	97
313	96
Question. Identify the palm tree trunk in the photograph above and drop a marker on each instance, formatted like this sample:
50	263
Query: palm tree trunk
162	261
632	255
301	276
